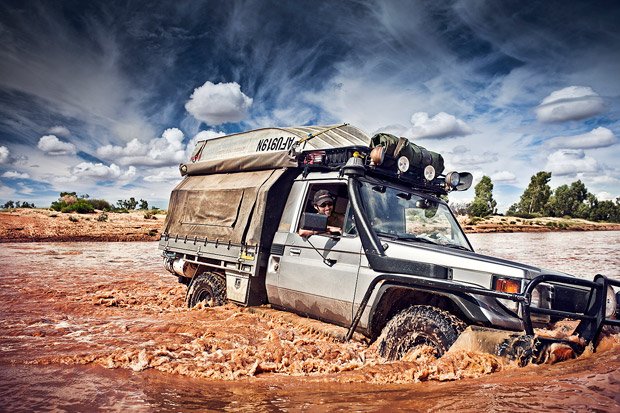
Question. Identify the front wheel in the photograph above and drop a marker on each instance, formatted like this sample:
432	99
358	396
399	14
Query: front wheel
208	288
416	326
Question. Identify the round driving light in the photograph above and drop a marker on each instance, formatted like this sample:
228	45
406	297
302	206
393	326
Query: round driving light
403	164
377	155
453	179
610	303
429	172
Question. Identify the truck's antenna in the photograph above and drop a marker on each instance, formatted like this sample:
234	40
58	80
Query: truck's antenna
314	135
293	150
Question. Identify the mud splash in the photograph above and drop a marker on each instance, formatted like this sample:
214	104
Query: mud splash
112	305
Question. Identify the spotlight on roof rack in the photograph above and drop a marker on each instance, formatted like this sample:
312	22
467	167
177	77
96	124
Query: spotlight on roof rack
429	172
377	155
458	181
403	164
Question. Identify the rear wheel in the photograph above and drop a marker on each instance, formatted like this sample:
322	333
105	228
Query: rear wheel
416	326
208	288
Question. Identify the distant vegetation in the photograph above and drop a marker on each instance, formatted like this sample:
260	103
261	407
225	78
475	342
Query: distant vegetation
83	204
17	204
538	200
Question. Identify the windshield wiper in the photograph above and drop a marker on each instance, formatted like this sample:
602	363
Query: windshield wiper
458	247
406	237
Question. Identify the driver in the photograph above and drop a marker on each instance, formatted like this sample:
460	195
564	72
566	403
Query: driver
324	204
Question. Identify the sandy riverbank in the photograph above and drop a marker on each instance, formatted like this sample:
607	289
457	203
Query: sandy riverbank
18	225
26	225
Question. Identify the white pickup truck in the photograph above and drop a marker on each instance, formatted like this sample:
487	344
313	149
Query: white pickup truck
399	263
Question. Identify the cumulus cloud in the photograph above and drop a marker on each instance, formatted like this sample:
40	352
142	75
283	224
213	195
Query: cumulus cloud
504	176
165	175
4	154
218	103
167	150
571	103
15	175
59	131
605	196
51	145
570	161
461	156
596	138
442	125
100	171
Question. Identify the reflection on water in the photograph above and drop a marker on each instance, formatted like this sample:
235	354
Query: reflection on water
102	325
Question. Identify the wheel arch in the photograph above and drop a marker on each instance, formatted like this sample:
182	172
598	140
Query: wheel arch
391	299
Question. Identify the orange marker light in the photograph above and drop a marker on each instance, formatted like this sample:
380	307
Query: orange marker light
507	285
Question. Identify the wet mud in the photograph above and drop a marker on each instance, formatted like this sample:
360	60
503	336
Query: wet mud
109	312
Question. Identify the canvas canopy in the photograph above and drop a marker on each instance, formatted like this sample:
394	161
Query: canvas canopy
271	140
223	195
271	160
224	207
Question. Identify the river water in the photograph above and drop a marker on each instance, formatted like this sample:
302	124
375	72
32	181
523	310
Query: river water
101	326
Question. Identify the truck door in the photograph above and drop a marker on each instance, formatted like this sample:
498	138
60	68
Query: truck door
318	274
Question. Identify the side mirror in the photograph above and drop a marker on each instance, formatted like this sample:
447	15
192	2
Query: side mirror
313	222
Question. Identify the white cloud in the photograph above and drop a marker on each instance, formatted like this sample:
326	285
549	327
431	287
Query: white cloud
569	162
23	189
218	103
15	175
51	145
504	176
442	125
461	156
167	150
164	175
4	154
571	103
100	171
59	131
605	196
596	138
7	192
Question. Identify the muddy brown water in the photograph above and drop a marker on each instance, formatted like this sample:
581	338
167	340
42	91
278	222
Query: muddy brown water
101	326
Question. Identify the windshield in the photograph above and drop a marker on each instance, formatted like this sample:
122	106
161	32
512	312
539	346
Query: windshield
398	214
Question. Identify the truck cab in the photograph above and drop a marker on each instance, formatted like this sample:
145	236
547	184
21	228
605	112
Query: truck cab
243	226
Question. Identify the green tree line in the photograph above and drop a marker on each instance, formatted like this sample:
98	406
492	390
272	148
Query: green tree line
538	199
84	204
17	204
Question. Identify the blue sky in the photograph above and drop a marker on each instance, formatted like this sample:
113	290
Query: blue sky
107	97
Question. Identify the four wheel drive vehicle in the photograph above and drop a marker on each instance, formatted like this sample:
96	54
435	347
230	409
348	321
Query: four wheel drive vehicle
400	264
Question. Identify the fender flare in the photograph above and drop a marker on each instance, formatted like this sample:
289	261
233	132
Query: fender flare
429	284
467	305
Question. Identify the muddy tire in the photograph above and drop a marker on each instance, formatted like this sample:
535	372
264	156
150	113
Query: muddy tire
208	288
419	325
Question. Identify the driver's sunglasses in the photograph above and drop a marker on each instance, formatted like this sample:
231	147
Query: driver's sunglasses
326	204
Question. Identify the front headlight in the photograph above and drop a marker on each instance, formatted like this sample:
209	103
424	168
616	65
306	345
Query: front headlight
610	303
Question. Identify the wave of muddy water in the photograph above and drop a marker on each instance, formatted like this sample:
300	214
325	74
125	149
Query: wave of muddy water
101	325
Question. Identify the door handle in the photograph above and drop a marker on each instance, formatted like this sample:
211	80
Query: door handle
294	251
